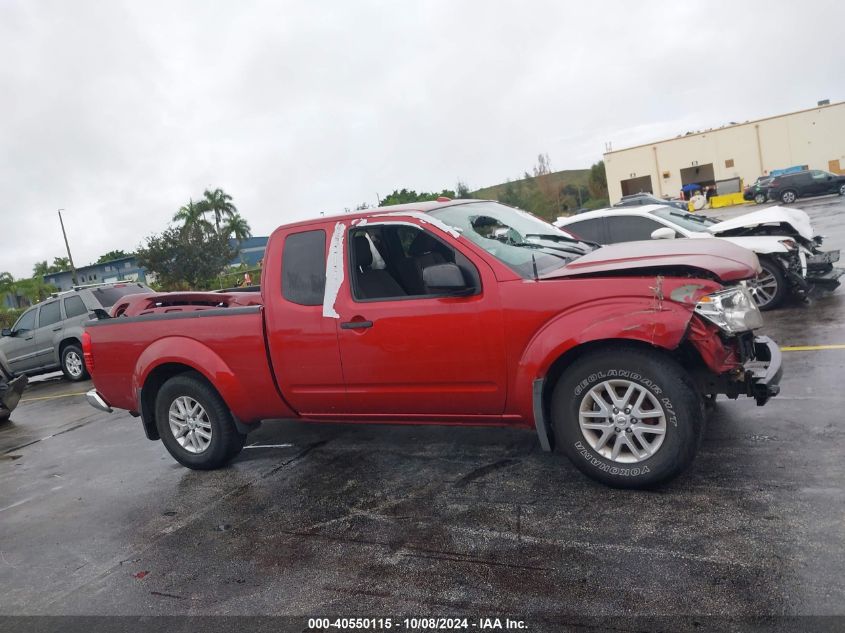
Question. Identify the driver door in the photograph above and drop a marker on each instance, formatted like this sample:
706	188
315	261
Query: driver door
410	353
20	347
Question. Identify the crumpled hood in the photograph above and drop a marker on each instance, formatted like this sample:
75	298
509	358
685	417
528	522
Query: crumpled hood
795	218
727	261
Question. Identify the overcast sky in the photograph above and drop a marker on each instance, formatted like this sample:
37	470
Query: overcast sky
118	112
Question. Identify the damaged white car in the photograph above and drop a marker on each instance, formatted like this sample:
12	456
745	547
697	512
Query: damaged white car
792	262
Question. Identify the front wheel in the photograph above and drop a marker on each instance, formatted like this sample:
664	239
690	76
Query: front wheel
195	424
760	198
73	365
769	287
842	190
629	418
788	196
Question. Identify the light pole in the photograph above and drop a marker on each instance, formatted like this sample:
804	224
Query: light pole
67	246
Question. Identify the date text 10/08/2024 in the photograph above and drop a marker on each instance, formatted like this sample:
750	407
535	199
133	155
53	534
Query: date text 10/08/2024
415	624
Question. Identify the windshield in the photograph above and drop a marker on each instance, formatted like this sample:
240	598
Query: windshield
688	221
522	241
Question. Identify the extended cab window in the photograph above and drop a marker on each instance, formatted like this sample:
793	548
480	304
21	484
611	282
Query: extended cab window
26	322
74	307
304	268
388	261
630	228
50	314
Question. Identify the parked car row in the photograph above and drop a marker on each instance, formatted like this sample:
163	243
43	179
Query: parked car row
48	336
789	187
791	260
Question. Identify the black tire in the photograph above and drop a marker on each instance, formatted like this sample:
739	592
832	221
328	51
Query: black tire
653	373
774	271
842	190
4	415
73	363
760	197
788	196
225	440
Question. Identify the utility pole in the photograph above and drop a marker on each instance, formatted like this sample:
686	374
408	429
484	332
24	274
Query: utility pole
67	246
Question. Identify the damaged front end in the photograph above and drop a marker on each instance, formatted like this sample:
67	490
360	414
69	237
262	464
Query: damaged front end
11	389
806	266
728	358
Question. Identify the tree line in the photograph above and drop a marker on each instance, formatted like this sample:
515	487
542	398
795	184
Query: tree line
193	254
539	191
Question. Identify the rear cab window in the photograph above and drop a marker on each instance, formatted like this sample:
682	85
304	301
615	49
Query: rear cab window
304	268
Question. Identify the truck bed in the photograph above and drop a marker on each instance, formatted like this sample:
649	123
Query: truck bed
225	336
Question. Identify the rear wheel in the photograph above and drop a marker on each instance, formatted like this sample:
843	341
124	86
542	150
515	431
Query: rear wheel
194	423
842	190
760	198
789	196
629	418
769	287
73	365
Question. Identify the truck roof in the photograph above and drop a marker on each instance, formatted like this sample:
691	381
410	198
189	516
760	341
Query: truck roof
420	207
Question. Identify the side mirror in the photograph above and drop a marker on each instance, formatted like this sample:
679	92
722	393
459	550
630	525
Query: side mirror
446	278
6	332
663	233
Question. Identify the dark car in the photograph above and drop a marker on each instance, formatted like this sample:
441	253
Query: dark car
640	199
11	388
787	188
758	191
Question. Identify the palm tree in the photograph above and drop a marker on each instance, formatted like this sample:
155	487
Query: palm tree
237	227
40	269
220	204
192	215
34	289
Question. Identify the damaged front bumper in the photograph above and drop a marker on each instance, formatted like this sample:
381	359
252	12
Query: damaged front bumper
763	374
744	365
821	272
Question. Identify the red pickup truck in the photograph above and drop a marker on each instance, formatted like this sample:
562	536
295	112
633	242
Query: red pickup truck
451	312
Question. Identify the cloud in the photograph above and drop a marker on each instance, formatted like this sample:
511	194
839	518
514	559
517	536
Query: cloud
120	111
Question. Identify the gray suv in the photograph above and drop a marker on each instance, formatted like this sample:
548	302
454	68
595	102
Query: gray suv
48	336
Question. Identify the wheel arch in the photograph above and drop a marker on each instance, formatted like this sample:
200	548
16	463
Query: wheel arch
70	340
148	392
563	362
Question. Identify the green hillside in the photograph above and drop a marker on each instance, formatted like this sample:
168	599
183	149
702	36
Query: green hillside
548	195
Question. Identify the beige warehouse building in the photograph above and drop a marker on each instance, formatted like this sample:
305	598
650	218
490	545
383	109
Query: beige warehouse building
730	155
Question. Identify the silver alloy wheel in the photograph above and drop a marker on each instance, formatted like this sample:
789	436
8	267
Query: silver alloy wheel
842	190
763	288
622	421
788	197
189	424
73	364
760	198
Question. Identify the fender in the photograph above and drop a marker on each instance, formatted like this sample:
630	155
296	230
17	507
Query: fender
661	321
199	357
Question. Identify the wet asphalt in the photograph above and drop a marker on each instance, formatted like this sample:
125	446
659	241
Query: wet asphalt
386	520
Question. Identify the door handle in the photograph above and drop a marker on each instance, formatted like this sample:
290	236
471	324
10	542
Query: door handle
356	325
56	329
28	338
